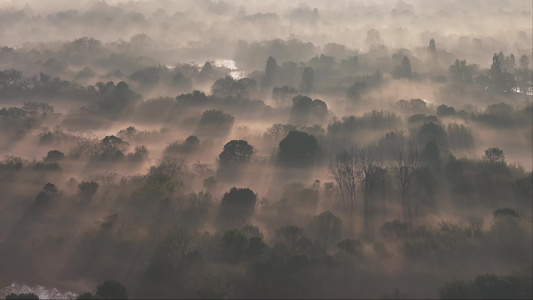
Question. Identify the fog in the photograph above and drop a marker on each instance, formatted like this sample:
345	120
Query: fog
254	149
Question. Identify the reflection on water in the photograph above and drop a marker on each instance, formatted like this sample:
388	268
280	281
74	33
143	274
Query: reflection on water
41	291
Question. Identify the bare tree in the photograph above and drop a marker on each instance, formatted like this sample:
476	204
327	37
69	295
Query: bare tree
371	177
278	131
344	168
407	161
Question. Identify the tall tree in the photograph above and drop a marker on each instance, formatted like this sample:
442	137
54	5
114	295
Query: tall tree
270	72
432	48
344	168
403	70
407	161
308	80
371	178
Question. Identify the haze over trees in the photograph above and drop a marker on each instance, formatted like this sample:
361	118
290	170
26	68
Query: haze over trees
259	149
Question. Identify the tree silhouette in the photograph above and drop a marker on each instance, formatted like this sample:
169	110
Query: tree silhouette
235	152
405	174
270	72
403	70
237	207
432	48
344	168
111	289
308	80
494	155
87	189
298	149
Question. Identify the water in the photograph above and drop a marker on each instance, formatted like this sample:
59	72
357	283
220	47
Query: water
41	291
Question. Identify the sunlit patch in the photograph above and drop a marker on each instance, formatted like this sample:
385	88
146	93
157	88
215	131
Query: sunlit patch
41	291
226	63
